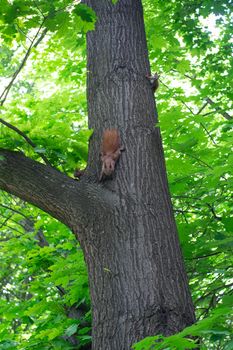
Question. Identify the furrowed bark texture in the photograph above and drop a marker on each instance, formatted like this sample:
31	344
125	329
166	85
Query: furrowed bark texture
137	282
69	201
126	226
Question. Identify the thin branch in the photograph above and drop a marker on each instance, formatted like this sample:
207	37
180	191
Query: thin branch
186	105
186	197
208	133
14	76
5	221
205	256
14	229
210	306
8	87
21	30
210	101
218	109
199	160
202	108
38	8
218	218
34	43
186	211
40	38
26	138
204	115
213	291
194	114
14	210
203	126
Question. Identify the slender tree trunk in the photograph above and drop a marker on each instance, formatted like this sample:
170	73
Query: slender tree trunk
137	282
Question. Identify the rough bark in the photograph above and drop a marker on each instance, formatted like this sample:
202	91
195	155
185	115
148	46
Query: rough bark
137	279
70	201
126	226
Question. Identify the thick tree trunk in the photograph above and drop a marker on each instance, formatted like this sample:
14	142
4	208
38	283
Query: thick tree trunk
126	226
138	283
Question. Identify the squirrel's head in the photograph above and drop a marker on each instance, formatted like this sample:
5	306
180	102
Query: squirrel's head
108	165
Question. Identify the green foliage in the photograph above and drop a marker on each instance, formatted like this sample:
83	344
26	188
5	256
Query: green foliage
44	282
44	298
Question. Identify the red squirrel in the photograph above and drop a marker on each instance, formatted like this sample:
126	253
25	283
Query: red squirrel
154	81
110	151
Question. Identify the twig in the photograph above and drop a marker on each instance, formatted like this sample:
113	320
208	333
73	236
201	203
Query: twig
204	115
199	160
186	211
218	109
208	133
14	229
40	38
205	256
218	218
213	290
198	113
211	102
202	108
26	138
38	8
21	30
14	210
14	76
5	221
186	197
210	306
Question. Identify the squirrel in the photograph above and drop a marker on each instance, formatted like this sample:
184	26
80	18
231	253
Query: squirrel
110	151
154	81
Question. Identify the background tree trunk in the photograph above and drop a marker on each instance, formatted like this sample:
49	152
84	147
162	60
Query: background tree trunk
138	283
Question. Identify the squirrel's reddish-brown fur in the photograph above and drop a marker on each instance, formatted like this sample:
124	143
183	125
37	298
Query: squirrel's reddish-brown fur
110	151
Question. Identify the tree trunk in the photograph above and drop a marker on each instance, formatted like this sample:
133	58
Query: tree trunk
137	282
125	225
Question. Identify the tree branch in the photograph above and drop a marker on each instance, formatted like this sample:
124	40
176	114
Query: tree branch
5	221
36	40
218	109
18	70
224	286
14	210
26	138
70	201
209	101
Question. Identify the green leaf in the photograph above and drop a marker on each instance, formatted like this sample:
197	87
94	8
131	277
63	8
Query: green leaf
40	150
229	345
85	12
71	330
228	223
